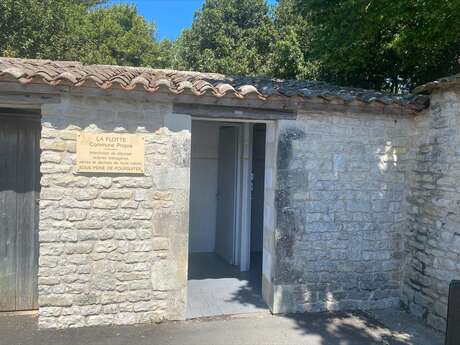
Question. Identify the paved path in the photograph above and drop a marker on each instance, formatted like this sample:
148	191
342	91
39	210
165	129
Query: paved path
225	296
309	329
218	288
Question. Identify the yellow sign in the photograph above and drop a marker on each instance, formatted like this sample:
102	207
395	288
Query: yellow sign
110	153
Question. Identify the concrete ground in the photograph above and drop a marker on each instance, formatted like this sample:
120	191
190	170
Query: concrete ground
355	328
217	288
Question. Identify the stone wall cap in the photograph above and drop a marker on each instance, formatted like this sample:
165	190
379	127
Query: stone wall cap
438	84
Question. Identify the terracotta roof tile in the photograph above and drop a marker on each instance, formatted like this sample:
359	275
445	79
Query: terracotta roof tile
128	78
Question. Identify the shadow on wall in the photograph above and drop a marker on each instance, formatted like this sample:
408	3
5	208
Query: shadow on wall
106	114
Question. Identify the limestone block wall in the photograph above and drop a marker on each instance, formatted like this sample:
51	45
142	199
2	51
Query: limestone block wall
113	248
340	185
269	217
433	213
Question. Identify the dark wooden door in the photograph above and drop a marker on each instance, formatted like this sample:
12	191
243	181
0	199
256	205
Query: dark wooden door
19	192
453	314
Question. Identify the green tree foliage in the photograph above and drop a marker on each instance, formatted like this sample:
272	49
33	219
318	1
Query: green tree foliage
246	37
290	56
116	35
228	36
80	30
384	44
36	29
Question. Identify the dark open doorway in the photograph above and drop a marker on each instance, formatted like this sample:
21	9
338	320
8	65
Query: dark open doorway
257	201
216	283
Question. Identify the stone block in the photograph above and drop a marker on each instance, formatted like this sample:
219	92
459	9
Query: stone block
116	194
55	301
106	204
100	182
163	275
52	145
85	194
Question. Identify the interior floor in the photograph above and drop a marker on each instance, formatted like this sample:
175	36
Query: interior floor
218	288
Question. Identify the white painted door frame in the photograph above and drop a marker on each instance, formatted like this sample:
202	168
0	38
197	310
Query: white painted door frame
242	231
244	238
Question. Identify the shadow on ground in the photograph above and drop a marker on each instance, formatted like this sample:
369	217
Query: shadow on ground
338	328
225	290
352	328
333	328
217	288
389	326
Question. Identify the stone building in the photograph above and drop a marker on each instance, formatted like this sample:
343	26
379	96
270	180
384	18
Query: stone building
111	177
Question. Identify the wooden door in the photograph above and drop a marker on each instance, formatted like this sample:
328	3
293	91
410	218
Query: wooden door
226	193
453	314
19	192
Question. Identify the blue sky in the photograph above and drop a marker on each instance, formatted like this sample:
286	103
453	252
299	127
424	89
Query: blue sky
170	16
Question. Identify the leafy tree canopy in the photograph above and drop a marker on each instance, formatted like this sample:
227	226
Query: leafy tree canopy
116	35
290	56
388	45
384	44
80	30
228	36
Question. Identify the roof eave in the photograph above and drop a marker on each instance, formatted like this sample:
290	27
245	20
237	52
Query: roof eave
38	88
46	93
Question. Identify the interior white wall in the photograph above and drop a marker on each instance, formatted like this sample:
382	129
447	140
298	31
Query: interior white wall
203	186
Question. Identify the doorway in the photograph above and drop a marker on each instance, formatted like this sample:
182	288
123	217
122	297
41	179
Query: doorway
19	192
226	219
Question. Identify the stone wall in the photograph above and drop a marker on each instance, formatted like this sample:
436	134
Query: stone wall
358	209
340	183
268	249
113	248
433	224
